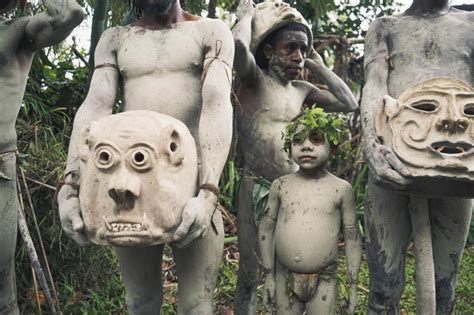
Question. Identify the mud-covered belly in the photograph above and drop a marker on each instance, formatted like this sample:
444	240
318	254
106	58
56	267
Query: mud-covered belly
306	243
263	152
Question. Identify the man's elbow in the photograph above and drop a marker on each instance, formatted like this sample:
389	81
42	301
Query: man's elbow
75	15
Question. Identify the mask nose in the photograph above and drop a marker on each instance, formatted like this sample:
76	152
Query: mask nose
453	123
124	189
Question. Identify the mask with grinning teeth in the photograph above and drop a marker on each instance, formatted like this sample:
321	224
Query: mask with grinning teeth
430	128
138	169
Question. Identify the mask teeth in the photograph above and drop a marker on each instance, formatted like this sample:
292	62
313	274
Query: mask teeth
109	227
145	221
440	149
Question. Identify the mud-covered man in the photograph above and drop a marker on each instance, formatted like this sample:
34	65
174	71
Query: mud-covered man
19	40
273	43
181	65
431	39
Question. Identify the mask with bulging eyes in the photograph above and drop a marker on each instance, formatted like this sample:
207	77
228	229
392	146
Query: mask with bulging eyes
138	169
430	128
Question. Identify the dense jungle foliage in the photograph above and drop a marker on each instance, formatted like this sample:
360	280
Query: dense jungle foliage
87	280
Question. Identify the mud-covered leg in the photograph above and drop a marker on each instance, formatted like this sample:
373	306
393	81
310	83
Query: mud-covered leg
325	298
198	268
141	271
249	267
387	229
450	219
8	231
284	303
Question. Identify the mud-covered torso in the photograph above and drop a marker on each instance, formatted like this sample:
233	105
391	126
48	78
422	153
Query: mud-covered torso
424	48
308	223
15	62
162	69
266	109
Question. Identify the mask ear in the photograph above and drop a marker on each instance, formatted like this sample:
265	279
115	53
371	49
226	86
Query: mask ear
84	144
173	146
391	106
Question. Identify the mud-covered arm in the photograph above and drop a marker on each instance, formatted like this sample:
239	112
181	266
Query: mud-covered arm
98	103
266	241
215	131
353	243
101	96
385	167
244	61
54	24
339	97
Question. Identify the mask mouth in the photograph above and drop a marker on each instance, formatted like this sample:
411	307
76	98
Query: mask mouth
125	226
448	148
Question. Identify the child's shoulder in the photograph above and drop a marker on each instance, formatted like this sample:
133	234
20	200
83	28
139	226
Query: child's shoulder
338	183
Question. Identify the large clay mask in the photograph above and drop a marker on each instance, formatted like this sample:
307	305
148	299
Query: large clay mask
430	128
138	169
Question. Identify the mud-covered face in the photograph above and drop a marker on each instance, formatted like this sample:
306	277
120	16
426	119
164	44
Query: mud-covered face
432	127
286	59
155	7
311	152
137	172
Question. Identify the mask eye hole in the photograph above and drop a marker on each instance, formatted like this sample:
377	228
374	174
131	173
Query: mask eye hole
469	110
138	158
104	158
173	147
426	106
141	160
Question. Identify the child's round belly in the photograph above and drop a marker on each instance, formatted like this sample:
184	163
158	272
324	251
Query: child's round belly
306	248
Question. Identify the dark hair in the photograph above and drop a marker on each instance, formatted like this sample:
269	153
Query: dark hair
273	38
137	11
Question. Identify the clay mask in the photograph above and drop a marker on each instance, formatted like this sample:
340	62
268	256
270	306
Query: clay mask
430	128
138	169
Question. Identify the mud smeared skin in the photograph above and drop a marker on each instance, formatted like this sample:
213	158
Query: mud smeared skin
429	40
299	234
19	39
270	97
180	65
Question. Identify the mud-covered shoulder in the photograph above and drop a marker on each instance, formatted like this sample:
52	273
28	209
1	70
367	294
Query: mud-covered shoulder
382	25
340	184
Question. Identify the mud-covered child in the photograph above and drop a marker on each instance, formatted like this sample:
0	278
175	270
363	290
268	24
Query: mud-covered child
299	233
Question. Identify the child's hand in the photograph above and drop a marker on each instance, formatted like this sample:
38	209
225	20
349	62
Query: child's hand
353	299
269	289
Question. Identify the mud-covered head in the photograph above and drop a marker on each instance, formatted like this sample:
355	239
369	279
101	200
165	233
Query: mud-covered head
154	7
138	169
7	5
431	126
317	122
280	31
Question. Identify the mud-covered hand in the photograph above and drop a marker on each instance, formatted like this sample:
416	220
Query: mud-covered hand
245	8
70	214
385	166
269	289
353	300
314	59
196	218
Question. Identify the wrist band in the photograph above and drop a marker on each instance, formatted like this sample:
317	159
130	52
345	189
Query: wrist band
210	187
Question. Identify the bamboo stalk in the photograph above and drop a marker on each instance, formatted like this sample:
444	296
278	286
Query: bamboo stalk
43	252
32	254
35	283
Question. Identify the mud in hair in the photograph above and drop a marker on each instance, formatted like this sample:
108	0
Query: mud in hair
137	11
273	39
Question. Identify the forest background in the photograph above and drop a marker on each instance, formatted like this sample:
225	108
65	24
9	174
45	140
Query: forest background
87	280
